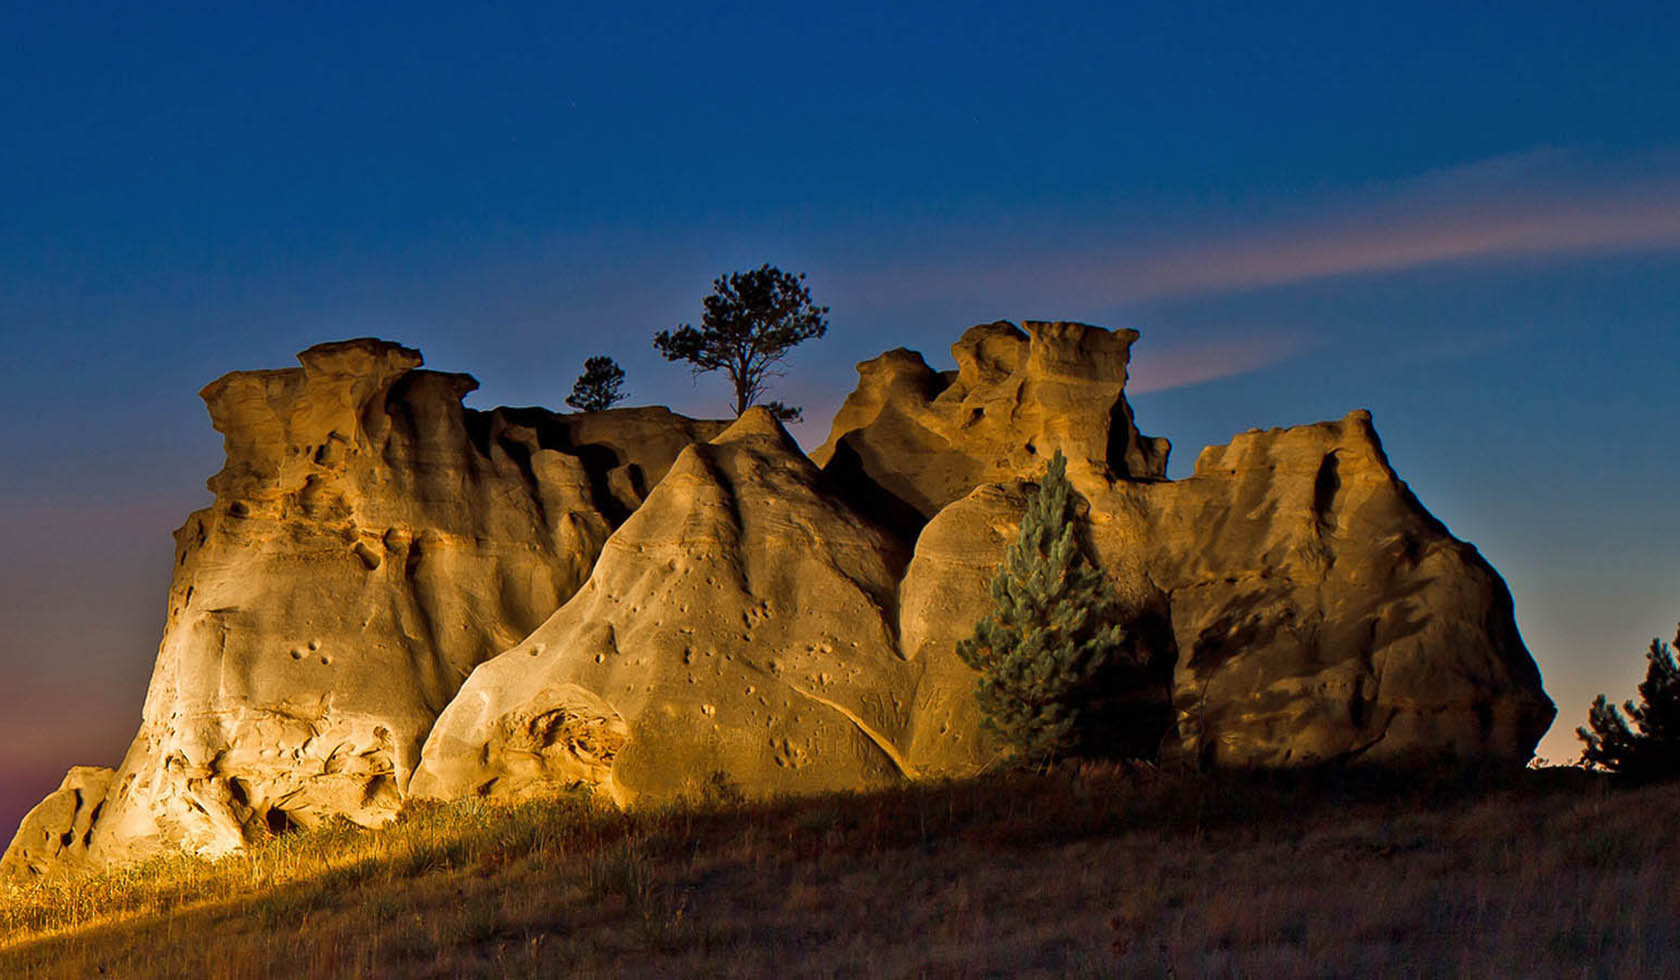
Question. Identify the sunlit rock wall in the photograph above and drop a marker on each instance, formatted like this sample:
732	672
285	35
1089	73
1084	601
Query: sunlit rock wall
370	543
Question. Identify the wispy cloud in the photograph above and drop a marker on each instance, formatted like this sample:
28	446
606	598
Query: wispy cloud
1545	204
1538	204
1162	369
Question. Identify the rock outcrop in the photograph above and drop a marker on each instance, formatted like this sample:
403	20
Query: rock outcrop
1321	614
911	440
56	833
741	622
394	597
1307	608
370	543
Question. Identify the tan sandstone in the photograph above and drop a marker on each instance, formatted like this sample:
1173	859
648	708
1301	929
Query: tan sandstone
371	542
1311	611
740	623
55	834
910	440
395	597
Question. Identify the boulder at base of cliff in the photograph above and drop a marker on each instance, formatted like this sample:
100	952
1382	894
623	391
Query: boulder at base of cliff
54	835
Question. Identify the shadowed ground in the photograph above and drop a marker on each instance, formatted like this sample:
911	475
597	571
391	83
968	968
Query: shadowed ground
1099	871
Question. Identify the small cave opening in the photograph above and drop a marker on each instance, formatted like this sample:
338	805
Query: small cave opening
279	822
1128	713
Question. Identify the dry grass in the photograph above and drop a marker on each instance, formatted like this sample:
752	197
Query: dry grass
1093	871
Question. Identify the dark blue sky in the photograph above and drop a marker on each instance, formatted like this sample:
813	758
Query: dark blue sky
1466	220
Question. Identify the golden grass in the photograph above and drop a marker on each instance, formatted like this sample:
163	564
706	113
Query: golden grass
1087	871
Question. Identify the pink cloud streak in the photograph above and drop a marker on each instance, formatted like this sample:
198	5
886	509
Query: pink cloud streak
1162	369
1533	205
1525	206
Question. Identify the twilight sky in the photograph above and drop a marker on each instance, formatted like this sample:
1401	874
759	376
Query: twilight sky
1465	219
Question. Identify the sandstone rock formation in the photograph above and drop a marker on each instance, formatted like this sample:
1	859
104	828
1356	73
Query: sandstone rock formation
55	834
370	543
393	596
1322	614
1311	610
741	622
910	440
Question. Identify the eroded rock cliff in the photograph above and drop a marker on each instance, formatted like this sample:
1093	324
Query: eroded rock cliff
394	596
1311	611
910	440
741	622
370	543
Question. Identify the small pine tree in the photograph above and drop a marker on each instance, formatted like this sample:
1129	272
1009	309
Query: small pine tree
599	387
752	320
1053	628
1652	752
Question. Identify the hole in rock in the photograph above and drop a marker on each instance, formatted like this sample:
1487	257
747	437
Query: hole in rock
1325	486
278	822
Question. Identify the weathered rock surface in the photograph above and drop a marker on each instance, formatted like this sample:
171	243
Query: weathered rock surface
741	622
55	834
371	542
1312	610
910	440
1322	614
393	596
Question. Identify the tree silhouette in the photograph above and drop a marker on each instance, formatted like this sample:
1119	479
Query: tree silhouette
751	320
599	386
1649	749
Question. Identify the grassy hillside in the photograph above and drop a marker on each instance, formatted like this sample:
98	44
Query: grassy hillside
1089	871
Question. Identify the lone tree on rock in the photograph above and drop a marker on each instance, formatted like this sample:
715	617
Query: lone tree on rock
1649	749
752	319
599	387
1052	632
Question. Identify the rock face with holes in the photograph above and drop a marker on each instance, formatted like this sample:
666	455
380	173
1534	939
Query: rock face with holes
370	543
393	597
56	833
741	622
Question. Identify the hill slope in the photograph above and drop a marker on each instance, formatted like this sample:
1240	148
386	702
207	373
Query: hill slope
1093	871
